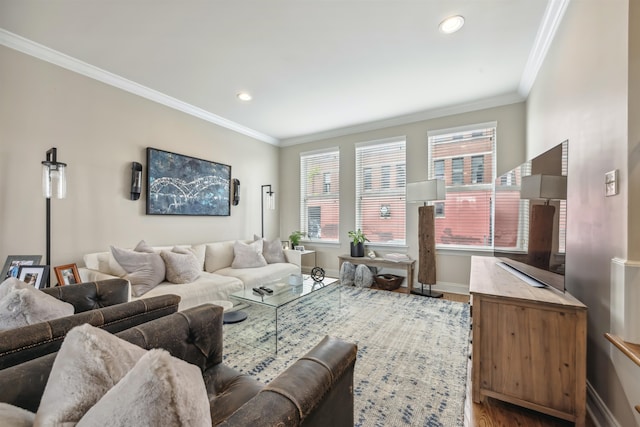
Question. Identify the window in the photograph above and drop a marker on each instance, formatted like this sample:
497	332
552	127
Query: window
477	169
457	170
368	179
380	207
401	175
385	176
319	194
464	158
438	169
327	182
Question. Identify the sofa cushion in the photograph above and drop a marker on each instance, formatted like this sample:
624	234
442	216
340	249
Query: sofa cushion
261	275
181	265
13	416
23	305
248	255
89	363
206	288
160	390
145	270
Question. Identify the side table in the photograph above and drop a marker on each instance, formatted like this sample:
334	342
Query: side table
409	265
305	259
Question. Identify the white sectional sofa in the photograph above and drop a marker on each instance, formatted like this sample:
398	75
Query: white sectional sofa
217	279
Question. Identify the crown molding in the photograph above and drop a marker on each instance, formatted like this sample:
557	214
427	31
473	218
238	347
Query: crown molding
496	101
29	47
550	22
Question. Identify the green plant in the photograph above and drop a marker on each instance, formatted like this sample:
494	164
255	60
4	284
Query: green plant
357	237
295	237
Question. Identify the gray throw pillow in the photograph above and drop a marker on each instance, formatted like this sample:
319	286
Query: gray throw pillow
159	391
248	255
144	270
23	305
13	416
271	250
181	264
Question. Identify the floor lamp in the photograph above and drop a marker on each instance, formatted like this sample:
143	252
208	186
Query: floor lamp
54	184
541	218
269	195
423	192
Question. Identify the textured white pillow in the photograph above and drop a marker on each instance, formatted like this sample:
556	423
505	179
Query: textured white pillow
12	416
248	255
22	304
89	363
160	391
145	270
272	251
181	265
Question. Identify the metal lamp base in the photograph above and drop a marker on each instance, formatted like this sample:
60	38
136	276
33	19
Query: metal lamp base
428	293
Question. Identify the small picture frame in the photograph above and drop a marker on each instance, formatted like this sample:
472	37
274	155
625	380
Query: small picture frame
285	244
67	274
13	263
35	275
299	248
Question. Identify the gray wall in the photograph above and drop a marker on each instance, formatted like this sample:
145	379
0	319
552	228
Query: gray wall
453	267
99	130
582	94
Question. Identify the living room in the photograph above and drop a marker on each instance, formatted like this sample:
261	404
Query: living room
585	92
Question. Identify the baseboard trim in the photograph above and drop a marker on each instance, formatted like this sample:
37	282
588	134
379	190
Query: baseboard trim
598	410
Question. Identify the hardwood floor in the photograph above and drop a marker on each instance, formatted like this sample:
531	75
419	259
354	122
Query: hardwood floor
494	413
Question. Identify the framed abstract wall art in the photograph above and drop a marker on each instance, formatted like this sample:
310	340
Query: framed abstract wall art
184	185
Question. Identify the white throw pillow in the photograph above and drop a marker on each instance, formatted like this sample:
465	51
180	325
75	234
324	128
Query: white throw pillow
13	416
248	255
181	265
160	391
272	251
89	363
145	268
22	304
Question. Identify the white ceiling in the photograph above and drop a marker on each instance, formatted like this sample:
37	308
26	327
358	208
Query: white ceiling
315	68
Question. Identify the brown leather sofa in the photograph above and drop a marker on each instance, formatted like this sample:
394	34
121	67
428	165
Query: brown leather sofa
102	304
317	390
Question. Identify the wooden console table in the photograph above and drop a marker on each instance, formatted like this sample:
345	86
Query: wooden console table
409	265
529	344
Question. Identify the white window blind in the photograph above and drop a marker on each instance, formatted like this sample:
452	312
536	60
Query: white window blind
380	190
465	159
320	194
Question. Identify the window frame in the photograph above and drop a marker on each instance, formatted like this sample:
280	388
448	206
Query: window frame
325	163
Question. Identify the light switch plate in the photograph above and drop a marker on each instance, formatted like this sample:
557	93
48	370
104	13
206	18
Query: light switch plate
611	183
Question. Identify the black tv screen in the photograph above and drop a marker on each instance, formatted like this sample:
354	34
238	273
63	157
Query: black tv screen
531	217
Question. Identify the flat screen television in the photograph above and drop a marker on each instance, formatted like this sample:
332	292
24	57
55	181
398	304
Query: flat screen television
531	218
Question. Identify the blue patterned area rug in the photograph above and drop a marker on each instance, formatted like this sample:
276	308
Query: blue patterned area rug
411	368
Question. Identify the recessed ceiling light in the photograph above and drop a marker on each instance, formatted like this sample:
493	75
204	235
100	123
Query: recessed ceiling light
244	96
451	24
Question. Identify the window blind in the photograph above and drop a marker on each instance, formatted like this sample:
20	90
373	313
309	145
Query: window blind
380	190
320	194
465	159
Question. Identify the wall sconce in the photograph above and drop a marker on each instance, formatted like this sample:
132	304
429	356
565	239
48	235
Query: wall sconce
136	180
270	201
54	184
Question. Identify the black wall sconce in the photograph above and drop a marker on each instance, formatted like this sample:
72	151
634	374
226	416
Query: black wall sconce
136	180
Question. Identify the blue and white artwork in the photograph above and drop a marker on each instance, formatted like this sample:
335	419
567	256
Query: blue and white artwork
183	185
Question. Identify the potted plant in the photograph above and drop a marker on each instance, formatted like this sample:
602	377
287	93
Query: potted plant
357	243
295	237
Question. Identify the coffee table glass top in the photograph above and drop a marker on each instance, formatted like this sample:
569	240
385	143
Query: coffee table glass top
283	292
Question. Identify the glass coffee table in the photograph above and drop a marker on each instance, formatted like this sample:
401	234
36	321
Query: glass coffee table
266	313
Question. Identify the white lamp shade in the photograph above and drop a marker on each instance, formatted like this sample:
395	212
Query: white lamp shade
544	187
425	191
